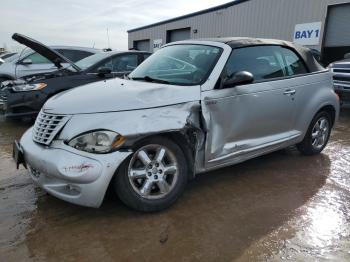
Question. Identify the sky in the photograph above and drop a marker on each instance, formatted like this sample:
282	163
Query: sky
85	22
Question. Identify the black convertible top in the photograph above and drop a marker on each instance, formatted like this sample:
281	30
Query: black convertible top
238	42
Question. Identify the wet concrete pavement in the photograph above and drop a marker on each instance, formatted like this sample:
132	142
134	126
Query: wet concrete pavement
278	207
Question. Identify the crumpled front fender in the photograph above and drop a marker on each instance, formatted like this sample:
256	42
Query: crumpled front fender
135	123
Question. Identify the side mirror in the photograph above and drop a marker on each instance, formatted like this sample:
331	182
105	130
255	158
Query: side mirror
347	56
103	71
26	61
239	78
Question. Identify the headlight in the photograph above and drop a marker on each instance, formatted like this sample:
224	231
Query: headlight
28	87
97	141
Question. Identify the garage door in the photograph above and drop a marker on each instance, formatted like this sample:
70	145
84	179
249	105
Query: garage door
338	26
178	34
142	45
337	34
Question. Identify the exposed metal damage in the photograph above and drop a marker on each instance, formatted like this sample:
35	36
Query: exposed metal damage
182	122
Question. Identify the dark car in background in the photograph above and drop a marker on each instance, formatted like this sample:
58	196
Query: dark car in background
341	78
24	98
30	61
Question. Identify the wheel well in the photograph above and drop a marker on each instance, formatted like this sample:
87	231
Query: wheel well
187	146
330	110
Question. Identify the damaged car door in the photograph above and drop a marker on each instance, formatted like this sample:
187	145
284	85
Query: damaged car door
251	110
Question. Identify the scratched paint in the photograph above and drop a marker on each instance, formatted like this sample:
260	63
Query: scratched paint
77	168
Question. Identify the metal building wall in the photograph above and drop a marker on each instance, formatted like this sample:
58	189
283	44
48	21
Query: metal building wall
254	18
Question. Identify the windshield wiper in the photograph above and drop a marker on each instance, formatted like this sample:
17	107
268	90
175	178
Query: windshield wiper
150	79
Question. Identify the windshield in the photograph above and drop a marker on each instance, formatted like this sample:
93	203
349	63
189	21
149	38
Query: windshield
179	65
91	60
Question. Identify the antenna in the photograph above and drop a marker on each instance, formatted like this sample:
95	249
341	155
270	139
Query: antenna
109	44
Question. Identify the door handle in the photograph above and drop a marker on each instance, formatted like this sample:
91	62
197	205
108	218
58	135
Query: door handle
290	92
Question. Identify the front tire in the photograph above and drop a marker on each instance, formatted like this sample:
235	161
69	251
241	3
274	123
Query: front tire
153	177
317	136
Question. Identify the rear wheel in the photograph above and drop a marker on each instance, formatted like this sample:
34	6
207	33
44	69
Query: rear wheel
154	177
317	135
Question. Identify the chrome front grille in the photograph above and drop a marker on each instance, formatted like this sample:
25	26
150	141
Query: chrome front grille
47	126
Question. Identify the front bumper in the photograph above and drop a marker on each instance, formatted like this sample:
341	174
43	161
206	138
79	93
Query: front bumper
22	104
74	176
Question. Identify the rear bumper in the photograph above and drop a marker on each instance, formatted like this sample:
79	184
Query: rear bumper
73	176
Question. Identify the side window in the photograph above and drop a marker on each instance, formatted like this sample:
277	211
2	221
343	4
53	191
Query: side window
264	62
294	65
120	63
38	59
107	64
74	55
124	63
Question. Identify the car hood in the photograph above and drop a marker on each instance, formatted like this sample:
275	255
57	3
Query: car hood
119	95
56	58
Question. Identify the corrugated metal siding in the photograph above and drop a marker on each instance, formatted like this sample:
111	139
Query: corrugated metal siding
255	18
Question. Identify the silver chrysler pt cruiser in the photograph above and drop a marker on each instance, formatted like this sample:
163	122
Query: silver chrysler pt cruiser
193	106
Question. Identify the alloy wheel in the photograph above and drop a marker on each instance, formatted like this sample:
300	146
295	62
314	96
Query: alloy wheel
320	133
153	171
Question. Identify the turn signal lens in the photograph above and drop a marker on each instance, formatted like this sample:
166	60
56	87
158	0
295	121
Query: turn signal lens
41	86
118	141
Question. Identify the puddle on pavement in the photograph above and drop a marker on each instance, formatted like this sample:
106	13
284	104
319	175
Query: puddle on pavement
282	206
